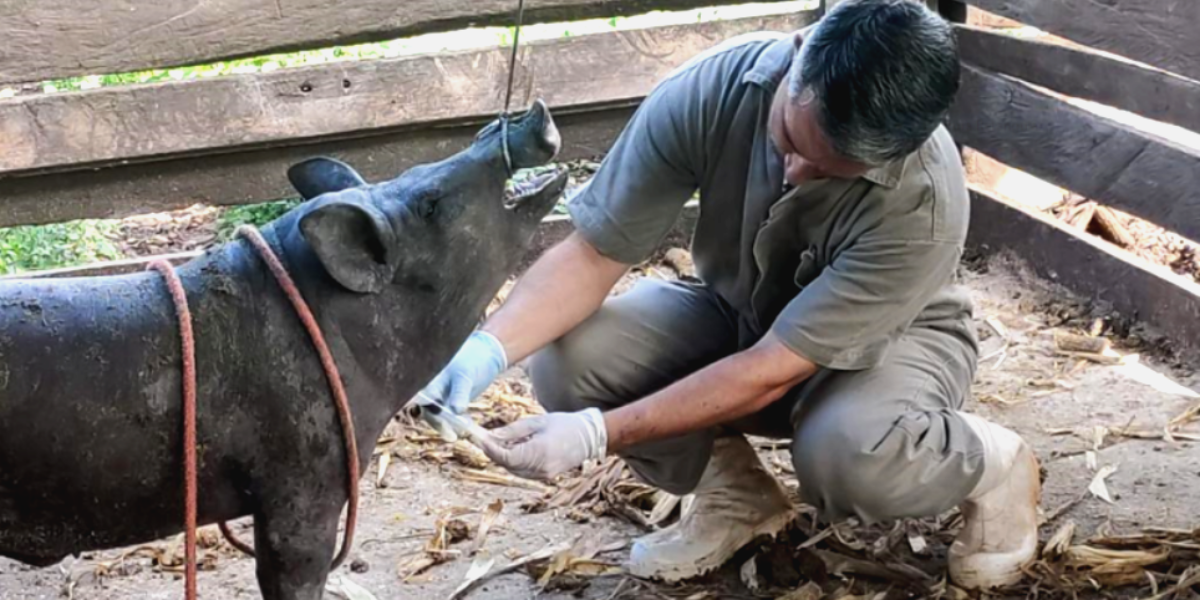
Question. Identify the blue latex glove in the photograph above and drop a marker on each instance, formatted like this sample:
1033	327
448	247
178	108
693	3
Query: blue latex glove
474	367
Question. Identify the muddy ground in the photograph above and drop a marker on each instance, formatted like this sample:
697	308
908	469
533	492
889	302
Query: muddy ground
1060	404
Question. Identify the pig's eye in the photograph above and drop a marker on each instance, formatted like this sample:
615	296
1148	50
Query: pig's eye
427	203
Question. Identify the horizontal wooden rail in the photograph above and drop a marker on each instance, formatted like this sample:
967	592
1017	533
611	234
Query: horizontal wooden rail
1089	75
1161	33
1089	267
1077	150
51	39
260	175
104	126
552	230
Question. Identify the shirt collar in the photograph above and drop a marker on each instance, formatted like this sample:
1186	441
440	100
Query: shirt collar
772	64
768	72
887	175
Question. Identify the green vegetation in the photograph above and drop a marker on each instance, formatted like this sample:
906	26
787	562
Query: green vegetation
35	248
253	214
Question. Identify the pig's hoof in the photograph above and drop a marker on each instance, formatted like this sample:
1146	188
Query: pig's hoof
359	565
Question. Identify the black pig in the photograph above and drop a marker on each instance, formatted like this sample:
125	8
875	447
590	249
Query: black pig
397	274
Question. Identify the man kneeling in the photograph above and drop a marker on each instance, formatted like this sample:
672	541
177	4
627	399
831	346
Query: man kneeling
833	215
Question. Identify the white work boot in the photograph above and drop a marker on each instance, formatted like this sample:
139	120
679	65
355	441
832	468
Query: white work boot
1000	534
736	501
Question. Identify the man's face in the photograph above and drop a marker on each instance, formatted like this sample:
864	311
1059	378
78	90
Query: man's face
807	154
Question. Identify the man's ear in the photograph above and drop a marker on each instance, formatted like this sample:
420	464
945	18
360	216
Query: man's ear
322	175
355	242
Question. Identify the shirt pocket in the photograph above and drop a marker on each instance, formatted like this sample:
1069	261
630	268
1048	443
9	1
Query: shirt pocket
808	269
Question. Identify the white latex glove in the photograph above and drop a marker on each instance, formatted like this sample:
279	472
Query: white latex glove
474	367
546	446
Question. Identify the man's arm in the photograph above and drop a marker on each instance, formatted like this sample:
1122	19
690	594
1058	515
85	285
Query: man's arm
731	388
564	287
547	445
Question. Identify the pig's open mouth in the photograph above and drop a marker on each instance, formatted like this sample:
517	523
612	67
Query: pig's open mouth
523	189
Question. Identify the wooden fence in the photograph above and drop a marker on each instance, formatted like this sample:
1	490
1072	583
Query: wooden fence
113	152
1143	58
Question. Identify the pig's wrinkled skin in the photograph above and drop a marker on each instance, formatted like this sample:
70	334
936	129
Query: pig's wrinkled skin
397	274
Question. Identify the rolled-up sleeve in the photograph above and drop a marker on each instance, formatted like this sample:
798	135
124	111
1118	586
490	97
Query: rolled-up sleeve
639	191
849	316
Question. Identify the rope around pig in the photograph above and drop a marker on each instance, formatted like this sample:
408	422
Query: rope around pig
188	342
183	313
512	70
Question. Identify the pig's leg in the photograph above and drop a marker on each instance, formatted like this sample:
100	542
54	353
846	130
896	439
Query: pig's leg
294	547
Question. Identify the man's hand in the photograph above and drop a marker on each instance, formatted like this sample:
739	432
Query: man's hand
546	446
476	365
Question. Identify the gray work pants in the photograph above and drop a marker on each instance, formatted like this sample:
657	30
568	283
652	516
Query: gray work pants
878	444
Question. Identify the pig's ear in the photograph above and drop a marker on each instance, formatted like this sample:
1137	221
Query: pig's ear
355	242
322	175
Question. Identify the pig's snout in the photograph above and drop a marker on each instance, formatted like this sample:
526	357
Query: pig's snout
545	141
533	138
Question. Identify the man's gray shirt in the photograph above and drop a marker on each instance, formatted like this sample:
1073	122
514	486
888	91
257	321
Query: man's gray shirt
838	269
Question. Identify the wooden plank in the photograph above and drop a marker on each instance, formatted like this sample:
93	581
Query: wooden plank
98	127
51	39
1089	75
260	175
1162	33
1077	150
552	230
1088	267
986	20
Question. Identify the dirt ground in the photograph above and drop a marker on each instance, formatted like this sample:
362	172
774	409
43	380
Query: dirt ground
1083	417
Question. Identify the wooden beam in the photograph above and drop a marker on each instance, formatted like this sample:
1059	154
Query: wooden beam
254	176
51	39
103	126
551	231
1091	268
1162	33
1077	150
1079	73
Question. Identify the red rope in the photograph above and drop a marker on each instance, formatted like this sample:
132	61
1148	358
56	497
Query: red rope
331	372
179	297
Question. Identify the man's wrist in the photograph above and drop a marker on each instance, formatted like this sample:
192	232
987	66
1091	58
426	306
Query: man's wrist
496	347
598	433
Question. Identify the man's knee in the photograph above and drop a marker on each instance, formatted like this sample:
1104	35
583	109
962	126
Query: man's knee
637	343
557	373
583	368
881	468
842	470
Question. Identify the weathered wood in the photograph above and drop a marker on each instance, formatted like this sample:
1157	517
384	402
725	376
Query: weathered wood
1075	149
259	175
1088	267
1162	33
1083	217
136	123
1092	76
51	39
1107	225
552	230
986	20
1073	342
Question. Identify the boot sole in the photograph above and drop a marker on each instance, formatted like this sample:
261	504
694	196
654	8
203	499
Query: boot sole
676	573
